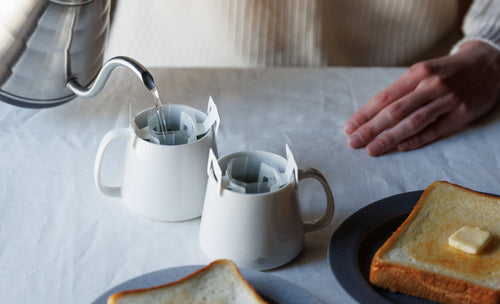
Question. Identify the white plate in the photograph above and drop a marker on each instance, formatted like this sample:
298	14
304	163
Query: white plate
272	288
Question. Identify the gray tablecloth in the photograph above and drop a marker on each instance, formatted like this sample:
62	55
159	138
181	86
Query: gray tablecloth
61	241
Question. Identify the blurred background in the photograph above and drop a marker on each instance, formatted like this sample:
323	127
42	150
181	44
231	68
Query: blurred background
251	33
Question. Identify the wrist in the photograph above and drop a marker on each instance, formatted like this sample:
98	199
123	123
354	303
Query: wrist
482	49
482	53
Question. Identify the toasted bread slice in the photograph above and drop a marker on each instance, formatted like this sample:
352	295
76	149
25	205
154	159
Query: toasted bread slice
219	282
417	260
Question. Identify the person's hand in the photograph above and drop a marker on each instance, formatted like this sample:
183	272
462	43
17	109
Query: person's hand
431	100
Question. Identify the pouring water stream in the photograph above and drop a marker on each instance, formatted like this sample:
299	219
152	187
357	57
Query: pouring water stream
161	117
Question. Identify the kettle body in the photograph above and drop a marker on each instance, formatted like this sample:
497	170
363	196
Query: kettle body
44	44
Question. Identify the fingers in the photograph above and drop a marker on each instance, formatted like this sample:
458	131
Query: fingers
427	91
386	118
417	121
384	122
444	126
401	87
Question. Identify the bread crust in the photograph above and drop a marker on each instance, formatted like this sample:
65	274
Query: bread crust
421	283
113	299
429	285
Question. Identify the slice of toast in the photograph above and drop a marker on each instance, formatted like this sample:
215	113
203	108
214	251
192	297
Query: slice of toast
417	259
219	282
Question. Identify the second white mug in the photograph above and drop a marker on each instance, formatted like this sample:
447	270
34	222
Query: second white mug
251	213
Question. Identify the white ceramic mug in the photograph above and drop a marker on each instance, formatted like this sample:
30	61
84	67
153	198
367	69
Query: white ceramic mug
161	182
257	230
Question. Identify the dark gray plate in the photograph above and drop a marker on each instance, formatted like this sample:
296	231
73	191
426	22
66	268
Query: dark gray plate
272	288
357	239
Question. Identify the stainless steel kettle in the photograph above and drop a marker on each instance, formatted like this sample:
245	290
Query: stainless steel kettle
52	51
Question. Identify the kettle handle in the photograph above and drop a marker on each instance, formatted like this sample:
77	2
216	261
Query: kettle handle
103	75
327	216
103	146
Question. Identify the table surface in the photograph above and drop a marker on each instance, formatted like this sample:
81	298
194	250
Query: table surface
62	241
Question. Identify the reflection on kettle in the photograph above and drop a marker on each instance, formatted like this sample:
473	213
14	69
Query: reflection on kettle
52	50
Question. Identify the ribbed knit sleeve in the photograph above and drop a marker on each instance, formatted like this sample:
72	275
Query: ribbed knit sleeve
249	33
482	23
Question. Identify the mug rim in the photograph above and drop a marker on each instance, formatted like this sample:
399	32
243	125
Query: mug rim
227	157
146	113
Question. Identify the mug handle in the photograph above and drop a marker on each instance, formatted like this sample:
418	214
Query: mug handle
326	218
103	146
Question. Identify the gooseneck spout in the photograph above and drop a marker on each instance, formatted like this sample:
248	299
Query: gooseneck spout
103	75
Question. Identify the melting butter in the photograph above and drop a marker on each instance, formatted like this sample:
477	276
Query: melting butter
470	240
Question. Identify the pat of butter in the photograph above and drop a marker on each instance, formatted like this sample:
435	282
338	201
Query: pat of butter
470	240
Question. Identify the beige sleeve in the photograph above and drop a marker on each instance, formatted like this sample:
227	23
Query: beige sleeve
482	23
